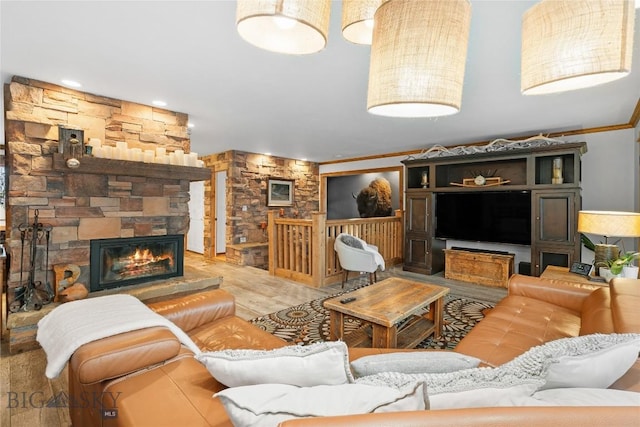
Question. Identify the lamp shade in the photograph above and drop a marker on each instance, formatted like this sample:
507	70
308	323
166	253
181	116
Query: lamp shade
357	19
609	223
418	56
284	26
569	44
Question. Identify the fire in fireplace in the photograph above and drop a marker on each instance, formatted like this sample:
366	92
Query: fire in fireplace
123	262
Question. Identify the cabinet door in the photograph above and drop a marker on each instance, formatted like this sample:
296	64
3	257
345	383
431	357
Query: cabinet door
556	216
417	256
555	239
418	234
419	213
543	256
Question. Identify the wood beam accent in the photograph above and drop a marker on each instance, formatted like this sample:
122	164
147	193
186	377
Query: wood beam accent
99	166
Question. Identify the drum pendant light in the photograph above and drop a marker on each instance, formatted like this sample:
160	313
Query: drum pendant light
284	26
418	58
357	20
570	44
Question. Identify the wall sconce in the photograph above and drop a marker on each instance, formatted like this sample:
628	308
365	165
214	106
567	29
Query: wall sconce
263	225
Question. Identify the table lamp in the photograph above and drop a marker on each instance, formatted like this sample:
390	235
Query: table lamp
608	224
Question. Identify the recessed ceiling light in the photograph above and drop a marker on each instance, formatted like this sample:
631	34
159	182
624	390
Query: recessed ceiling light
190	125
71	83
159	103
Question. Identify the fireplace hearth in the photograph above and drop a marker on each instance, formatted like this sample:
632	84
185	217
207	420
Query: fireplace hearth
122	262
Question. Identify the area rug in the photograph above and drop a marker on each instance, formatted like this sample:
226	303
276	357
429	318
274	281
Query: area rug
309	323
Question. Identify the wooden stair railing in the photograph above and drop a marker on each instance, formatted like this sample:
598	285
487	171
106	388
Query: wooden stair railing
302	249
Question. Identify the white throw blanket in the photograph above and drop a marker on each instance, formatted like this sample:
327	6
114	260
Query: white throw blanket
75	323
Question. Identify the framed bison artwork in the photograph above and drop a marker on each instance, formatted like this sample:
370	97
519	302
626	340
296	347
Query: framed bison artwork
280	192
362	194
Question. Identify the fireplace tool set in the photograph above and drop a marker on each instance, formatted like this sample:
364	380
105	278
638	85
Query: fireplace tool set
33	294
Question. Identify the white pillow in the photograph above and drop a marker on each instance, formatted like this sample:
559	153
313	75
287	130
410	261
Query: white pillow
587	397
487	396
593	361
469	388
270	404
575	397
315	364
520	378
413	362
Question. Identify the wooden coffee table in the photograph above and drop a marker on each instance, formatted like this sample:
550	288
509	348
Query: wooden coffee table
385	304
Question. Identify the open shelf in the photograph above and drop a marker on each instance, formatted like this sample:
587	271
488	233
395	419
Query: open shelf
417	176
544	169
513	170
416	330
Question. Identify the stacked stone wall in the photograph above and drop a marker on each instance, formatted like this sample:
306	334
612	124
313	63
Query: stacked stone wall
81	207
247	177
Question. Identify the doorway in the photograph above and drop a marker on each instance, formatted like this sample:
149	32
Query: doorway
195	235
220	214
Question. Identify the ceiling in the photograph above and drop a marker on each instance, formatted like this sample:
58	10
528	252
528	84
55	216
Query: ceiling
237	96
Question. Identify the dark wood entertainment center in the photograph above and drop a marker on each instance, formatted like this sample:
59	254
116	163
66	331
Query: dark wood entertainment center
554	207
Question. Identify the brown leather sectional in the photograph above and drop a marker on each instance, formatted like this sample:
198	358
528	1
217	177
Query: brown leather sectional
147	378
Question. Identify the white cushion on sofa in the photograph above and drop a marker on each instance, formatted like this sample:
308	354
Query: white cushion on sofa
588	396
594	361
486	396
413	362
315	364
469	388
270	404
575	397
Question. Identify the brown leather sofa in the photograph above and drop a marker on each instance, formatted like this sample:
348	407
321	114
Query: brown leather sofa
146	377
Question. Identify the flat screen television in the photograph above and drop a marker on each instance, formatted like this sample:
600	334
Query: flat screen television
484	216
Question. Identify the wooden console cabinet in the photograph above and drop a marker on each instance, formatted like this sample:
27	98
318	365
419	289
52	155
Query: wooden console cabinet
554	207
478	267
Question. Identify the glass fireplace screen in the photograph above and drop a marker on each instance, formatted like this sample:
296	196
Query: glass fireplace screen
128	261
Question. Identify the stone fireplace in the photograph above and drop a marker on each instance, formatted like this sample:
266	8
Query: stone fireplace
123	262
100	198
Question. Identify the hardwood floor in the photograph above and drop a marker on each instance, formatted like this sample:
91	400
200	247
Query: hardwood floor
25	390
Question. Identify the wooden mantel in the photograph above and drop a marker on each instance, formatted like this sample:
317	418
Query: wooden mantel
99	166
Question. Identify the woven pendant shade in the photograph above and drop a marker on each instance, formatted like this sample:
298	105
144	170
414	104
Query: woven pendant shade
418	58
569	44
284	26
357	19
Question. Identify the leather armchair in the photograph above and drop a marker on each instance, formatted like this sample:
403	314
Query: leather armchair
355	254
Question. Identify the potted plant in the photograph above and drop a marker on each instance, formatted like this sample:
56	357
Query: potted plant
623	265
